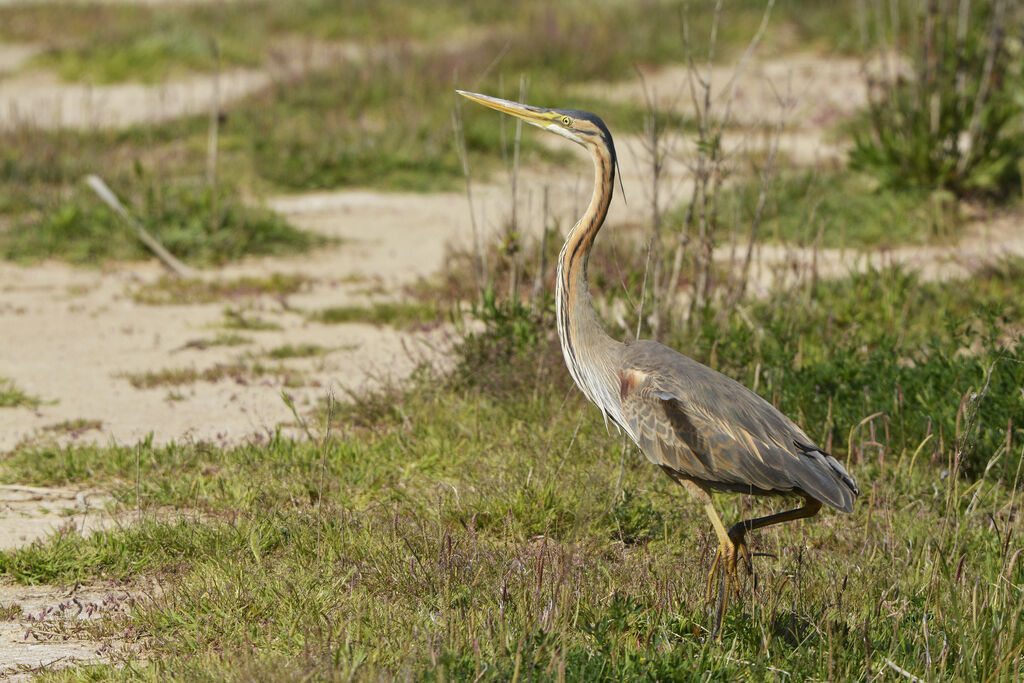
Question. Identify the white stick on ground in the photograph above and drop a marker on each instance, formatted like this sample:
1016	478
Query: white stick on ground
166	257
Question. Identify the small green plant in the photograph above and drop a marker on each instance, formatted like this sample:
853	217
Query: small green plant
178	291
956	123
297	351
74	427
172	377
13	397
220	339
395	314
195	223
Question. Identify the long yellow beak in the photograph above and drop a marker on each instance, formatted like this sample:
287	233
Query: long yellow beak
538	116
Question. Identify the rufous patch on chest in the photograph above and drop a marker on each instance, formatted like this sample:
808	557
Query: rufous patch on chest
629	380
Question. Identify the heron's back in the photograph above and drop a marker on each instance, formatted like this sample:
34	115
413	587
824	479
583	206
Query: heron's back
701	425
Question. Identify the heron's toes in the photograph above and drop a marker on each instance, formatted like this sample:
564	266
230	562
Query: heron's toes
726	561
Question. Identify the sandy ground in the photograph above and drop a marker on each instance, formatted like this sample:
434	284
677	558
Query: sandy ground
70	335
40	625
46	627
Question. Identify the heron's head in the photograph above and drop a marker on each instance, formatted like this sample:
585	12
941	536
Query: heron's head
581	127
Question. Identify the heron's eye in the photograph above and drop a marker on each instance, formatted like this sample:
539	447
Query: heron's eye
566	120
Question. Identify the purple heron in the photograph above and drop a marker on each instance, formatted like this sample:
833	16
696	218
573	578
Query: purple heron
705	430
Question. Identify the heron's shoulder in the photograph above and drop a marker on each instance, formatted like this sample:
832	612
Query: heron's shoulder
665	374
662	363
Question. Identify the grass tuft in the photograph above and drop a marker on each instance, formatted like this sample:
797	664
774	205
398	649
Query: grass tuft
193	223
189	291
13	397
297	351
395	314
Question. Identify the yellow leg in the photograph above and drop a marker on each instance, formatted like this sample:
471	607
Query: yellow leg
724	564
732	543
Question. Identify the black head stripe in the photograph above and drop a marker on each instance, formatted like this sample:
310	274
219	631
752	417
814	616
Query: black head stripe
596	120
605	133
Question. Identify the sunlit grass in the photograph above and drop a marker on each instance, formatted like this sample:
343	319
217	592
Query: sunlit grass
397	314
197	224
485	522
839	208
183	291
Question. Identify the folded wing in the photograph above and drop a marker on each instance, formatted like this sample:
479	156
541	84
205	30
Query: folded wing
704	426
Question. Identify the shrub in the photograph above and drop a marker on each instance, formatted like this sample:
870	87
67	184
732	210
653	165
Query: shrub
955	123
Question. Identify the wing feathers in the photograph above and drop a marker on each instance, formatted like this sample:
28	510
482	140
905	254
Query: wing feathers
708	427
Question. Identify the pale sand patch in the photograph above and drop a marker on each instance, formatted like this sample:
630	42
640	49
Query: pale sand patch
42	627
30	513
71	335
13	55
38	98
821	91
47	633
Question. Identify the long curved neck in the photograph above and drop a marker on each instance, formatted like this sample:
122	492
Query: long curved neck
589	351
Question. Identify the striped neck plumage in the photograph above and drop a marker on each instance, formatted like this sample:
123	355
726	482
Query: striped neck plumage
587	348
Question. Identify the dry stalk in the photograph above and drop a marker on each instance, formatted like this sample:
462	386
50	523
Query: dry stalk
658	145
479	259
512	240
710	164
767	176
104	192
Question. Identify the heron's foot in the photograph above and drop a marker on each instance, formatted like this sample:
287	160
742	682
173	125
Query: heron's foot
726	562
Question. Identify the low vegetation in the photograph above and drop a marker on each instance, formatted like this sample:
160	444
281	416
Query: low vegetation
102	44
485	522
957	123
841	209
297	351
11	396
197	224
189	291
220	339
393	313
239	372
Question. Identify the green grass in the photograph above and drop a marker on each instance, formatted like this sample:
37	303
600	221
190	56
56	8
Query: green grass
842	209
166	50
471	524
239	372
395	314
219	339
74	427
190	291
107	44
195	224
13	397
297	351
